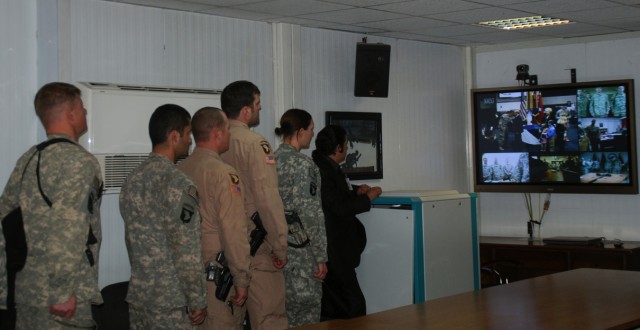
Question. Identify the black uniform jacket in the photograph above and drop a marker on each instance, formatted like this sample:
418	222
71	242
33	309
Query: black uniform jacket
346	236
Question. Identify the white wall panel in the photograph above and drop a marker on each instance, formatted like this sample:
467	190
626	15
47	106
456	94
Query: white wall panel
423	117
18	81
121	43
118	43
611	216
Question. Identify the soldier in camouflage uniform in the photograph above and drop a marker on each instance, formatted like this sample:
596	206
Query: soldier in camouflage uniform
522	168
599	106
582	104
251	155
507	171
159	205
299	186
503	128
619	107
225	226
59	282
487	170
498	170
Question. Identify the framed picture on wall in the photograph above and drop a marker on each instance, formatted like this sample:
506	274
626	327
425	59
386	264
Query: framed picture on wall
364	132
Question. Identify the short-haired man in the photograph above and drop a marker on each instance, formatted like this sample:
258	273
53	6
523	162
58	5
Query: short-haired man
159	205
251	155
224	222
58	186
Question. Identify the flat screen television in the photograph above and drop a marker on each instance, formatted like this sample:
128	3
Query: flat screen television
563	138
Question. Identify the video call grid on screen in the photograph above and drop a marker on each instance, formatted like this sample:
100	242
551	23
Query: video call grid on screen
571	134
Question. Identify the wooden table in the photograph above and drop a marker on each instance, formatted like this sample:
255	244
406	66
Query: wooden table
576	299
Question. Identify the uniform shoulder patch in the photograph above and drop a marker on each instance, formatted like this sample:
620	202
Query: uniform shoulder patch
193	192
187	213
265	146
235	179
313	188
189	204
234	185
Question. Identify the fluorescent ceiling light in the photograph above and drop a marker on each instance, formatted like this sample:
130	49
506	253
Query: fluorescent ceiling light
524	22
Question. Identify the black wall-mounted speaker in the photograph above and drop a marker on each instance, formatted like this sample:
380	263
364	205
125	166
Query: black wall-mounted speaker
372	70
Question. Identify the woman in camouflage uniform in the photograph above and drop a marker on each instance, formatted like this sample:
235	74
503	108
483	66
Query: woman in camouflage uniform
299	186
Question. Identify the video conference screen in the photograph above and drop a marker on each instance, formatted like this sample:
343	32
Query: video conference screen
573	138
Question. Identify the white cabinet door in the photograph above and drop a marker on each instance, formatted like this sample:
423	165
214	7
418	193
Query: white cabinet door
385	273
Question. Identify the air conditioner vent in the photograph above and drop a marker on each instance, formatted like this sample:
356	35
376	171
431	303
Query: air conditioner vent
125	87
116	168
127	109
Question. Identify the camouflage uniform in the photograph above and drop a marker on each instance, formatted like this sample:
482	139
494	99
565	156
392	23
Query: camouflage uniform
498	171
507	172
503	126
251	155
599	105
582	104
299	186
224	227
487	173
619	107
57	266
522	169
159	205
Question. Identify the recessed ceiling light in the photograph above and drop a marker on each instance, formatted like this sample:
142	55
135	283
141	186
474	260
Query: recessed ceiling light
524	22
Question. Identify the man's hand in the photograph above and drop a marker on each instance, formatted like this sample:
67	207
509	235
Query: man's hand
65	309
321	273
279	264
197	317
240	297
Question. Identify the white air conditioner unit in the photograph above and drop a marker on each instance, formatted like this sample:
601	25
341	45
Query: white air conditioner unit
118	120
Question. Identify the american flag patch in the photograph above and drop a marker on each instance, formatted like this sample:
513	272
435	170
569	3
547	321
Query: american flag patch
235	189
270	160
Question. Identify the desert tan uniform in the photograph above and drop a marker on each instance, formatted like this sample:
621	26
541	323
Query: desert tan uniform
224	227
251	155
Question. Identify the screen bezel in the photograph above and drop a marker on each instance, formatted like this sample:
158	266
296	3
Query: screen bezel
557	187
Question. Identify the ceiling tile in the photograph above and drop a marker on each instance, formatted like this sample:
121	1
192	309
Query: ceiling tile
324	25
169	4
631	23
479	15
349	28
499	37
224	3
595	15
237	13
456	30
572	30
427	7
504	2
363	3
441	21
292	7
557	8
352	16
405	24
410	36
627	2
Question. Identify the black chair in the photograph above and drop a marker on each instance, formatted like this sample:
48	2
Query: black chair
114	313
498	272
